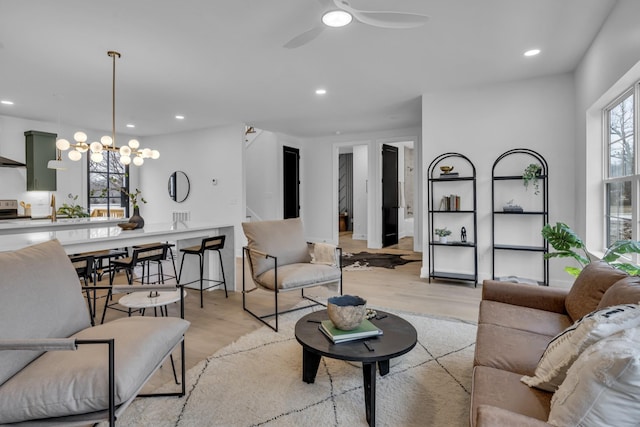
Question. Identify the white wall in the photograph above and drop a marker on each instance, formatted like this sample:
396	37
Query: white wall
604	72
360	172
536	114
264	182
204	155
73	180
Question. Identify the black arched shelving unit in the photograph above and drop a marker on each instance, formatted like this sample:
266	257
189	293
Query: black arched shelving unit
540	210
462	210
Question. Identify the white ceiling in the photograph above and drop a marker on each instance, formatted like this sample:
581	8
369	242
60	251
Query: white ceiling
219	62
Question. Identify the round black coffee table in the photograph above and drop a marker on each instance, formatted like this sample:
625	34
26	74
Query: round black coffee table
398	338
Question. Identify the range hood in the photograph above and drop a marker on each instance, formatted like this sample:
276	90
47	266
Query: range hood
8	163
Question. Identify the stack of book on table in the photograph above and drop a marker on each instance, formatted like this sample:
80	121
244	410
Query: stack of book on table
365	330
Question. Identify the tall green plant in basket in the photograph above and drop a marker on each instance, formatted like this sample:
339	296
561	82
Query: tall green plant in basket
568	244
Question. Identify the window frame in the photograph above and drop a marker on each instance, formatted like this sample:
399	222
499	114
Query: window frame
634	178
110	156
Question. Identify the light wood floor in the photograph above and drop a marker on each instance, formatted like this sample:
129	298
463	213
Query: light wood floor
222	320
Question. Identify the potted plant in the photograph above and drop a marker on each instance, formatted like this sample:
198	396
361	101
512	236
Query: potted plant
72	210
530	176
569	245
135	197
442	233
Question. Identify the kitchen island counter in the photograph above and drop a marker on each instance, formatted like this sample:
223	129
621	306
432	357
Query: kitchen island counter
18	226
86	237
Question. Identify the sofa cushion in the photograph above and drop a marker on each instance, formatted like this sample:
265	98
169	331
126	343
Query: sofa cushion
589	287
523	318
565	348
294	276
43	302
624	291
61	383
504	390
282	238
602	386
509	349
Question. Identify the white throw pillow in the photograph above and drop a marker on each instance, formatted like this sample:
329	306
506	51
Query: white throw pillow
565	348
602	387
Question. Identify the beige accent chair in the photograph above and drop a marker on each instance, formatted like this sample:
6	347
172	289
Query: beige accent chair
281	260
55	368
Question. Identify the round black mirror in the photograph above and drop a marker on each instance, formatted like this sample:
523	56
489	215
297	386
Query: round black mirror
179	186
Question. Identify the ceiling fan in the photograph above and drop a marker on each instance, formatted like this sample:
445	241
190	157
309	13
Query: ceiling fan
338	13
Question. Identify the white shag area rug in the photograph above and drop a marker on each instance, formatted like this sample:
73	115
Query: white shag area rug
257	381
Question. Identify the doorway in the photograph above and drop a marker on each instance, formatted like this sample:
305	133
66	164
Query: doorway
291	182
389	195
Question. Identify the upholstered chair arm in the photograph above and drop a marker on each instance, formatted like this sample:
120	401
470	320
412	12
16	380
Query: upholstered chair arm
44	344
539	297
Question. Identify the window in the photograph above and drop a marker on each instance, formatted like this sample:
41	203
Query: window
106	179
621	178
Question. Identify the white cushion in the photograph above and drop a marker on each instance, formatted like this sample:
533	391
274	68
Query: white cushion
602	387
299	275
283	239
565	348
40	297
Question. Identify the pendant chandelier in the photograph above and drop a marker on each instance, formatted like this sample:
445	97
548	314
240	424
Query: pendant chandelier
131	153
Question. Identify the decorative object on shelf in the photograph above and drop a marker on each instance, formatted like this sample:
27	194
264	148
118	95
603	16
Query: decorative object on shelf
72	210
512	207
450	203
463	235
446	169
442	233
346	311
567	244
530	176
108	143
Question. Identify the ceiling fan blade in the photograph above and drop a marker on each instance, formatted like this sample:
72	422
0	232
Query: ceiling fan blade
304	38
384	19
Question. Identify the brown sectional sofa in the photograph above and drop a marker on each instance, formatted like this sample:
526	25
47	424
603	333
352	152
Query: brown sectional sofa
515	324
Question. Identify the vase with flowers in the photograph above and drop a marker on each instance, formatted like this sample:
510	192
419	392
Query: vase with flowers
135	198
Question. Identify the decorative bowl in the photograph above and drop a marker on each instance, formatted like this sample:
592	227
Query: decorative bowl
446	169
346	312
127	225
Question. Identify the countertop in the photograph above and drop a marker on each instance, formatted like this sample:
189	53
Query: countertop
87	236
15	226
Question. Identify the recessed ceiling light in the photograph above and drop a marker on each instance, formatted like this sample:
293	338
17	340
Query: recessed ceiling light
532	52
130	125
179	117
6	102
337	18
321	91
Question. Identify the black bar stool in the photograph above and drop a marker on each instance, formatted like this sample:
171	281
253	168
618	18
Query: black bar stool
143	256
209	244
169	254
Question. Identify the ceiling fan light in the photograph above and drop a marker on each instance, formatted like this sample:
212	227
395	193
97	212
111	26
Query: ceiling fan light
337	18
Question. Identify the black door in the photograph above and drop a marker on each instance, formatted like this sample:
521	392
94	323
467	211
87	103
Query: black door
389	195
291	172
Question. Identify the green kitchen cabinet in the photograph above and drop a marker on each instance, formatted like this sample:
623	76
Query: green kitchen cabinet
41	147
